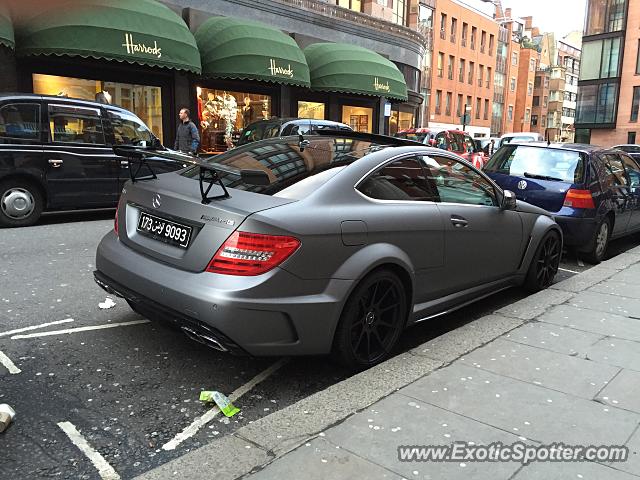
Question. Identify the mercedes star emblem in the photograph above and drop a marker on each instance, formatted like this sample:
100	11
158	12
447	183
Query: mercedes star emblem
522	184
157	201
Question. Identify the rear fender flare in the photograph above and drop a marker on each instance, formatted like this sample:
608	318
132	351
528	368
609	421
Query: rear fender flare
541	227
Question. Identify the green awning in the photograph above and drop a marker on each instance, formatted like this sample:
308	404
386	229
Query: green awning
340	67
135	31
6	30
244	49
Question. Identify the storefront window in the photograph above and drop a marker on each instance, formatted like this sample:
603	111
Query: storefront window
400	121
223	114
313	110
144	101
358	118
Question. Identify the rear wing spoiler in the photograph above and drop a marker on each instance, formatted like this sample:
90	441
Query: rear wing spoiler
208	172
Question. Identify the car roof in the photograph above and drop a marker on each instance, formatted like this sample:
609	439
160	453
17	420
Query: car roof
57	99
576	147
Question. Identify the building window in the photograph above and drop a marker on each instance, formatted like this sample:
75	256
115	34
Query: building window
440	64
530	88
635	104
454	29
447	105
536	101
468	104
527	115
443	26
491	44
461	71
513	84
450	67
597	103
144	101
472	66
545	101
459	106
438	101
478	105
631	137
465	31
488	77
313	110
359	119
601	59
486	109
514	58
355	5
604	16
532	65
474	33
510	113
483	41
534	120
480	75
543	121
399	12
537	82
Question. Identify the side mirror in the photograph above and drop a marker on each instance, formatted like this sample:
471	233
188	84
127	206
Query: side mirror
156	144
509	201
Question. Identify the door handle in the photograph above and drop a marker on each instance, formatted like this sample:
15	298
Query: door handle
459	222
124	163
56	163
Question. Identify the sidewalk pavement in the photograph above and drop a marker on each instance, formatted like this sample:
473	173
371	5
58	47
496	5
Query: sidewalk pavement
562	365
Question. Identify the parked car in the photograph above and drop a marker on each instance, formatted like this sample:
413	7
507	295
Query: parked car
518	137
631	149
455	141
57	153
328	244
593	192
281	127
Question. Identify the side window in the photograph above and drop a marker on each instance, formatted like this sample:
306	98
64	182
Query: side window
70	124
400	180
20	121
129	130
633	171
614	170
458	183
441	141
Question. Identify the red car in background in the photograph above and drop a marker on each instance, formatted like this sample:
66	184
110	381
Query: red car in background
455	141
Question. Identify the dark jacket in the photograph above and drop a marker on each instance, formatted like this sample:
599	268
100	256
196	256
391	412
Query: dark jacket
187	137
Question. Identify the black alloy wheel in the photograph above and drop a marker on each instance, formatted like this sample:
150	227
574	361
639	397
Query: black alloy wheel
372	321
544	265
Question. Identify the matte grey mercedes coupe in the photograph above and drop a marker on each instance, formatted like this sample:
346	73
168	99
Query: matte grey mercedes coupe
326	244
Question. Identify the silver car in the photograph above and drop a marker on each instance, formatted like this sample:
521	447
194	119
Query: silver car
329	244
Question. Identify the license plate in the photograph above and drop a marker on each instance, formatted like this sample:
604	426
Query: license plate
164	230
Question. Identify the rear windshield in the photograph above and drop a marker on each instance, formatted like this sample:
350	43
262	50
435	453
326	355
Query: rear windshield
416	137
523	160
292	173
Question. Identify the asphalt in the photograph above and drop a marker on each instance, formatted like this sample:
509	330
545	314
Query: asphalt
131	389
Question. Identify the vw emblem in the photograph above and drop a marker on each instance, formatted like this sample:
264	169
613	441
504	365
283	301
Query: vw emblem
156	201
522	184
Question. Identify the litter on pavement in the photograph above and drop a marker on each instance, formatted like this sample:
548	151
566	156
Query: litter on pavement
108	303
222	401
6	415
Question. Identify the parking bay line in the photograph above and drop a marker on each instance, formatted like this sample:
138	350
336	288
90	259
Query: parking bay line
8	364
201	421
105	470
35	327
567	270
80	329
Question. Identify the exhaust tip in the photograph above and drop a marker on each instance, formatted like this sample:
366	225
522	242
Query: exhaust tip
207	340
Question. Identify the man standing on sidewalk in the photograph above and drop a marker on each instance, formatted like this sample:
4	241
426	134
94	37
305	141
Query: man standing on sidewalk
187	137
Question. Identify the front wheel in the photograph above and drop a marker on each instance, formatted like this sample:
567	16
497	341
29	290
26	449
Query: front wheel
598	245
21	203
544	265
371	323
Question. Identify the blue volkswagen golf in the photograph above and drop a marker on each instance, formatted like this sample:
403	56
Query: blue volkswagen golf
593	192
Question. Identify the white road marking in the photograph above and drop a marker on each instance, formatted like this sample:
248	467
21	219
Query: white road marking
567	270
105	470
35	327
79	329
200	422
8	364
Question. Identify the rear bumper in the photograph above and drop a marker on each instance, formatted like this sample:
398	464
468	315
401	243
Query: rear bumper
275	313
577	232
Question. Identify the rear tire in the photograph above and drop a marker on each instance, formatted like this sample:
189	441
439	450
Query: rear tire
21	203
545	262
372	320
597	247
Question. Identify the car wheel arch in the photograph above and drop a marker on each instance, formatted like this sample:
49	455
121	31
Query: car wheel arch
28	177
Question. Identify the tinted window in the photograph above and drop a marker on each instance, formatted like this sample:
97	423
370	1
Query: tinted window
633	171
20	120
75	124
458	183
629	148
296	128
614	170
258	131
418	137
128	129
518	160
400	180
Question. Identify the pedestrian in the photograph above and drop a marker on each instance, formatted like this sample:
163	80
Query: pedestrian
187	137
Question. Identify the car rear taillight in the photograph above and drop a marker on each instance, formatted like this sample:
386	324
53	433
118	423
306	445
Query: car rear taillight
579	199
247	254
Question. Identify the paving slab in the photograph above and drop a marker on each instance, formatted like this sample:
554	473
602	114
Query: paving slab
553	337
616	351
623	391
556	371
584	280
632	465
597	322
629	275
624	260
617	288
376	433
321	460
455	343
567	471
534	305
616	304
532	411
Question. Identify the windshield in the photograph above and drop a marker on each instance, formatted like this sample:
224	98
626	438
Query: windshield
518	160
292	173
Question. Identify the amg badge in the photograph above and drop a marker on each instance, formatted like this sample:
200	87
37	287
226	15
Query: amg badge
207	218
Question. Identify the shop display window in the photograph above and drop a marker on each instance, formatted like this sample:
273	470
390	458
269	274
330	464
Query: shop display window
359	119
144	101
313	110
223	114
400	121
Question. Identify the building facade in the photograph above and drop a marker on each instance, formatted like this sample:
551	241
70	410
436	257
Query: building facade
608	87
569	54
464	63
